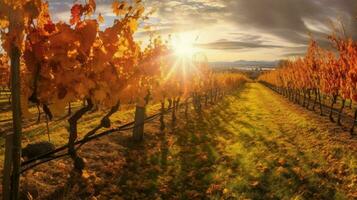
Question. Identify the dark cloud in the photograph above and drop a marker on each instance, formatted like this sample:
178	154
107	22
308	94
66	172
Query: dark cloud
288	19
234	45
248	37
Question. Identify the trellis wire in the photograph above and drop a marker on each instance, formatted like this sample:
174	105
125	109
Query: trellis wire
44	158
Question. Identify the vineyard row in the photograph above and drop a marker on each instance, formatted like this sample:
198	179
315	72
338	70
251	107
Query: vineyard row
321	72
317	106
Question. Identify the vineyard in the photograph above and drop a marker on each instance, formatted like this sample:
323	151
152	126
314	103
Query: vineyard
90	111
320	75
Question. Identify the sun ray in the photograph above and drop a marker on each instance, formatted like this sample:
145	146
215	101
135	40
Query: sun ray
183	44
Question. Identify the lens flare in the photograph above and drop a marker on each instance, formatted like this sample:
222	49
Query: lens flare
183	44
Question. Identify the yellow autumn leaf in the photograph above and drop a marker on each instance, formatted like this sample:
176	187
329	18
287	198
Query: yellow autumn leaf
133	24
86	174
120	51
225	191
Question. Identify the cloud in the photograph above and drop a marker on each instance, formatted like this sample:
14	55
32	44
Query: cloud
289	19
237	45
276	26
189	12
296	54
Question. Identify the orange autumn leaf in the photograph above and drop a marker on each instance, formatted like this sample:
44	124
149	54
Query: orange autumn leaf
100	18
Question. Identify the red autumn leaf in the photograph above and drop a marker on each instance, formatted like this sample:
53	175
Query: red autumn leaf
76	13
49	27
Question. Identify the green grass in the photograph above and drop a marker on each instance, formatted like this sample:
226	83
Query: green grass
244	148
253	144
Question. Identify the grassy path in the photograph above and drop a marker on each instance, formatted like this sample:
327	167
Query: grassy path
269	149
254	145
251	145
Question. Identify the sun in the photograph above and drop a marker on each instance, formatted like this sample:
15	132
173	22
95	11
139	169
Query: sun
184	49
183	44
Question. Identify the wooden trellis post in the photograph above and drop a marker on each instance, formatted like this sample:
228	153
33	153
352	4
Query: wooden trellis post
138	131
12	162
139	120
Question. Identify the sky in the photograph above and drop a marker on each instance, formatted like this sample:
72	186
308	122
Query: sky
230	30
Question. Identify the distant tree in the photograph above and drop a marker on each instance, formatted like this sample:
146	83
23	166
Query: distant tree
282	63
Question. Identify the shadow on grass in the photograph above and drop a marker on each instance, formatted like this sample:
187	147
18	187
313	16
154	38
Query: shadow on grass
221	154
